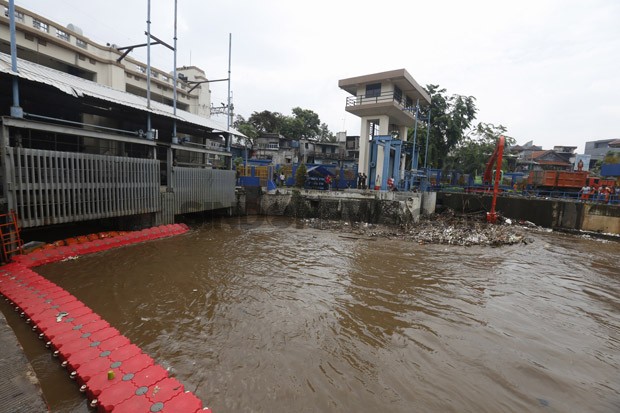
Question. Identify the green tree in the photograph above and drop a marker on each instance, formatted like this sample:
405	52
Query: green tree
302	124
247	129
325	135
472	153
266	121
300	175
451	117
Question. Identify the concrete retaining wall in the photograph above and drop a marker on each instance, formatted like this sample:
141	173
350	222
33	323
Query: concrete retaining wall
391	208
550	213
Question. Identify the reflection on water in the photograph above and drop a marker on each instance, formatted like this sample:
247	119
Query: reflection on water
264	316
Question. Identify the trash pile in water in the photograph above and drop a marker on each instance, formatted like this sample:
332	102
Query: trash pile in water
444	228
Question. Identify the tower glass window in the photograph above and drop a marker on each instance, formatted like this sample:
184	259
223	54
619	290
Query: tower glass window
373	90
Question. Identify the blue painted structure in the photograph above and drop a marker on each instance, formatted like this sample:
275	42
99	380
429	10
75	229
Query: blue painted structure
391	163
610	169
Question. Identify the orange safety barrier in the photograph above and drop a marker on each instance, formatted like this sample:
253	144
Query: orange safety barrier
89	244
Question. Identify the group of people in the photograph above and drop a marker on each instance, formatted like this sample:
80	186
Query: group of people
361	180
598	194
279	179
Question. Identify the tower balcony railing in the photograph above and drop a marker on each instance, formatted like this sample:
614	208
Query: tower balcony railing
385	97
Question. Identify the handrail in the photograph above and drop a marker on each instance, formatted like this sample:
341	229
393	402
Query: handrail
381	98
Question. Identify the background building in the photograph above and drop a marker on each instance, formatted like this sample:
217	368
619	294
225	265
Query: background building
68	50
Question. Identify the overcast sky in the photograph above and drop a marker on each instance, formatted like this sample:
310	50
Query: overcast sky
548	70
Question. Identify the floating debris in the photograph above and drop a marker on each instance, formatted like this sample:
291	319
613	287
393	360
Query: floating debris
445	228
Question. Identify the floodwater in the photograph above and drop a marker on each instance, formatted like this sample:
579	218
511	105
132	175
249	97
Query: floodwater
264	316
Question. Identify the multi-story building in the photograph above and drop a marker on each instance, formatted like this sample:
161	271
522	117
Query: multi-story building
68	50
73	145
387	104
598	149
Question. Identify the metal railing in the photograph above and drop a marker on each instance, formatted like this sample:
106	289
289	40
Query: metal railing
199	189
401	102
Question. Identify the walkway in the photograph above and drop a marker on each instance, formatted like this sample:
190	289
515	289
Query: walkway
19	386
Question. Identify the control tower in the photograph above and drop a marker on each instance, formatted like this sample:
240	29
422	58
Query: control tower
386	103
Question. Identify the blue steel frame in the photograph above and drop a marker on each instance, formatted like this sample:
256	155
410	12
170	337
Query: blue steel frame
388	143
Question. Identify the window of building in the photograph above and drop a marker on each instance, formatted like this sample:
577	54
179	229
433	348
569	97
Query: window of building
81	57
42	42
273	145
373	90
28	36
141	69
408	102
155	74
19	16
62	35
39	25
398	94
81	43
92	61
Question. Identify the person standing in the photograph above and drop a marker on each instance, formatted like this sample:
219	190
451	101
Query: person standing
328	182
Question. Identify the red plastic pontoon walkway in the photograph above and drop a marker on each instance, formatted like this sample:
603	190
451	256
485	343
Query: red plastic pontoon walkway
115	374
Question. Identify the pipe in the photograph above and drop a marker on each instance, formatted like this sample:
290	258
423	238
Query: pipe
229	120
414	155
175	139
149	133
16	110
31	115
428	132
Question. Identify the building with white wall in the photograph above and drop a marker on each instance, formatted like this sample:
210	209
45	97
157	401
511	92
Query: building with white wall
67	49
386	103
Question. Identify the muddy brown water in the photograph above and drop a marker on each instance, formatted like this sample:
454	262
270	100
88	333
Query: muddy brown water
266	316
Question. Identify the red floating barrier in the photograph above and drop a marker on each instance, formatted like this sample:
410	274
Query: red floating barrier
164	390
135	404
149	376
103	361
108	359
184	402
84	356
124	353
72	319
114	395
99	365
136	364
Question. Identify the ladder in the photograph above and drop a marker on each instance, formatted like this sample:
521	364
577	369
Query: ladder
10	236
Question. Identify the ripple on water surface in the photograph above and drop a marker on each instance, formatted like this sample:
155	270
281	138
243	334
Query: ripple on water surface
265	316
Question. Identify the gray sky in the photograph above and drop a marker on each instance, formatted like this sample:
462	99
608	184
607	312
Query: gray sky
548	70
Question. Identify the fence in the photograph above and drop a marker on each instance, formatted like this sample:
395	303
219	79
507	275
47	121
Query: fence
199	189
51	187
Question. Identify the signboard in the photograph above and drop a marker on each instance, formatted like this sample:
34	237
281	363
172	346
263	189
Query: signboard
582	163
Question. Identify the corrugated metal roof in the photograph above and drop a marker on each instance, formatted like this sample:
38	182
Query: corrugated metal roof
76	86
